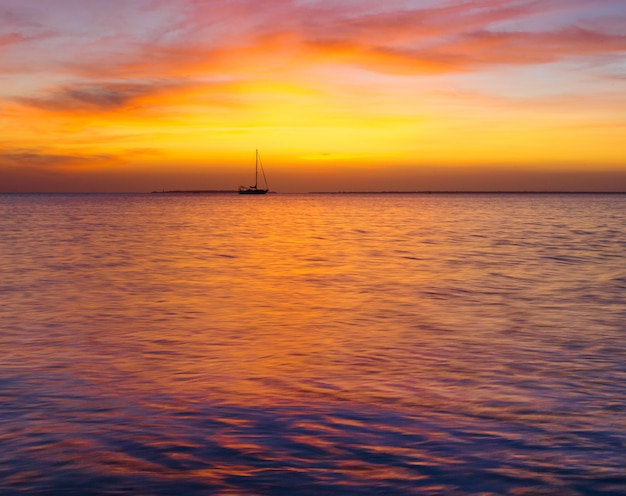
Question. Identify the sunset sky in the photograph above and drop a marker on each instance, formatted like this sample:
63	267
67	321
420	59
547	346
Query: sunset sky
138	95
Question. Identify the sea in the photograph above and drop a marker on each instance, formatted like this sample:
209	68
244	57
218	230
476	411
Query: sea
318	344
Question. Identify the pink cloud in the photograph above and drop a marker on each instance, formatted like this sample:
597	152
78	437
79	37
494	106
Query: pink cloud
11	38
205	39
459	36
481	48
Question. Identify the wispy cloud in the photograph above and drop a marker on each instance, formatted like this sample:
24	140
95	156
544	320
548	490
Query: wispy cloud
12	38
90	97
484	47
35	158
76	158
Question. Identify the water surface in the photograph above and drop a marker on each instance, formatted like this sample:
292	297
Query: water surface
312	344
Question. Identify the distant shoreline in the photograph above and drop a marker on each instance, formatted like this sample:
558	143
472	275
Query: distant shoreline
452	192
467	192
197	191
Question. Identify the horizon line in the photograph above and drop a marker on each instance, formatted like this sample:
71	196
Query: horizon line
364	192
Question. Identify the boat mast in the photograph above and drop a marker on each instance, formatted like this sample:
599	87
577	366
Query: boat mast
256	170
263	172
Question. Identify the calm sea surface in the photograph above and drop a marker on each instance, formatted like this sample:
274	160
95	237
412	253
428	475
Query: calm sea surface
313	344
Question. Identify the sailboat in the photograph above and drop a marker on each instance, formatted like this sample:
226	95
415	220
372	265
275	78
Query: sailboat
255	190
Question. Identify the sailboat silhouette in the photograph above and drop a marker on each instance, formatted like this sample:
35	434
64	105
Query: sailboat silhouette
255	190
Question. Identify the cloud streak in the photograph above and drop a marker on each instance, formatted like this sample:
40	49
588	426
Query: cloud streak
41	159
97	97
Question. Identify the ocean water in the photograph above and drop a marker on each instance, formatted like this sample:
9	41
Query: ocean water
313	344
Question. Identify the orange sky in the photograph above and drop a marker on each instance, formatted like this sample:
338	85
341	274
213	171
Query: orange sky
337	95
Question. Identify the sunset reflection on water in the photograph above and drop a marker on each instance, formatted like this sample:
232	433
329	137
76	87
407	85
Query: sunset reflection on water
366	344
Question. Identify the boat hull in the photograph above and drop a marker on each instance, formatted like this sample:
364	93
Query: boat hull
252	191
